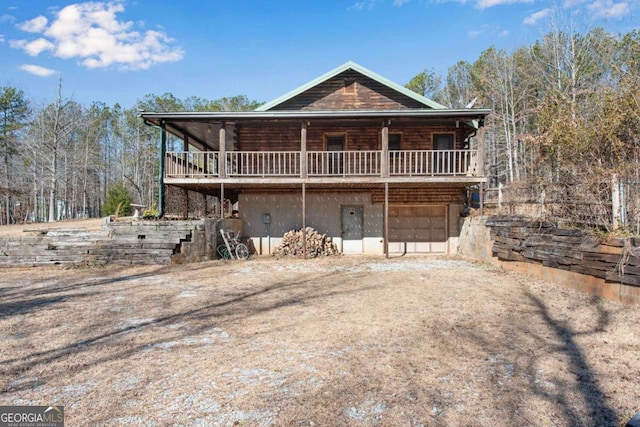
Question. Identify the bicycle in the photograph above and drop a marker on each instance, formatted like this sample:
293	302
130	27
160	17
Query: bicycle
232	247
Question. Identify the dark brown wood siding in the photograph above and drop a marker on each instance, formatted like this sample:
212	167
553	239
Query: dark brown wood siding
349	90
357	137
268	138
405	195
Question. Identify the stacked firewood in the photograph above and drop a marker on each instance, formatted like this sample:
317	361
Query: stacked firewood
317	244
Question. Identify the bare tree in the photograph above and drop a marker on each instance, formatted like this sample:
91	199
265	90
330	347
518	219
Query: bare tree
14	111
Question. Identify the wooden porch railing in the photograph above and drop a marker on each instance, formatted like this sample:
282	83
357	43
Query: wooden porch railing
188	164
263	163
180	164
344	163
432	162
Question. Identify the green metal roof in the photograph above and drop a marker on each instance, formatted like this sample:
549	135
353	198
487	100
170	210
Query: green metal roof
360	69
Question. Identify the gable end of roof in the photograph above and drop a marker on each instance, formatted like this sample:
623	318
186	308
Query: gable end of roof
350	65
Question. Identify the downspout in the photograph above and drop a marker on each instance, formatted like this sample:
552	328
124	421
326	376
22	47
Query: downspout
162	150
471	135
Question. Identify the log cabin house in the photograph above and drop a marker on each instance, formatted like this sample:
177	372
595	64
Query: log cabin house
377	167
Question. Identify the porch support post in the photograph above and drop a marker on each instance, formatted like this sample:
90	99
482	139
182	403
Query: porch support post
304	221
222	200
481	198
384	165
303	149
185	154
386	219
615	201
222	151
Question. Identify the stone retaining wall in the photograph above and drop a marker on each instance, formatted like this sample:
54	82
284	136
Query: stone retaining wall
609	268
121	242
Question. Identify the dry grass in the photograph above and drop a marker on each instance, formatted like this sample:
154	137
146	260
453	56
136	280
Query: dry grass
92	224
328	342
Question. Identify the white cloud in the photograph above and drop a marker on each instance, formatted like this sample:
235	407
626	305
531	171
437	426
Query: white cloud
7	18
490	30
37	46
1	38
368	4
35	25
399	3
485	4
92	33
609	9
17	44
32	48
535	17
37	70
568	4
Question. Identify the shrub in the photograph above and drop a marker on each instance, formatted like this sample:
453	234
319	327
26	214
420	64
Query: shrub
118	201
150	213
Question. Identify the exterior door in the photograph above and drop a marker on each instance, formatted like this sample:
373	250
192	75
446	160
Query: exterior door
335	146
444	159
352	222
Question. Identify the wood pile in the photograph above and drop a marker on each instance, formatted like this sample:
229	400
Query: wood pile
519	239
318	244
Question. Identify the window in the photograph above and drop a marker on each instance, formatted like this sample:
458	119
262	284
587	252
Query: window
443	141
394	141
335	143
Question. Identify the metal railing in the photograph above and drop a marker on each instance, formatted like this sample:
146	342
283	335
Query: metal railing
187	164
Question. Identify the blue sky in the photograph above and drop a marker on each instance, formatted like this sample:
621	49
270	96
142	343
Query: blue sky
118	51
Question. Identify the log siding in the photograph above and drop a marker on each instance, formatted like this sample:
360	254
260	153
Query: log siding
349	90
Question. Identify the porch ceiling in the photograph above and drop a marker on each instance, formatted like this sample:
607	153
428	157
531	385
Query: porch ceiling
198	126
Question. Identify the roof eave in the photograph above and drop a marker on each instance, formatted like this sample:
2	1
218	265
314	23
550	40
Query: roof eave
311	114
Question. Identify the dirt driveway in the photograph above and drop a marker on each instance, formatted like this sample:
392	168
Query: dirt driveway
349	341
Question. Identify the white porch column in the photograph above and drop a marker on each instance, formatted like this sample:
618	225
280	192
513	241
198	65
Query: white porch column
222	151
303	150
384	165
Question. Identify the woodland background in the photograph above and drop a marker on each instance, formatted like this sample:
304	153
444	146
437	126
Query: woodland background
562	139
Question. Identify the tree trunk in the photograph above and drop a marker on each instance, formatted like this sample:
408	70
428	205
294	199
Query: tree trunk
53	185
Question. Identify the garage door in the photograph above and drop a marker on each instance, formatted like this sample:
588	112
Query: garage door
417	229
